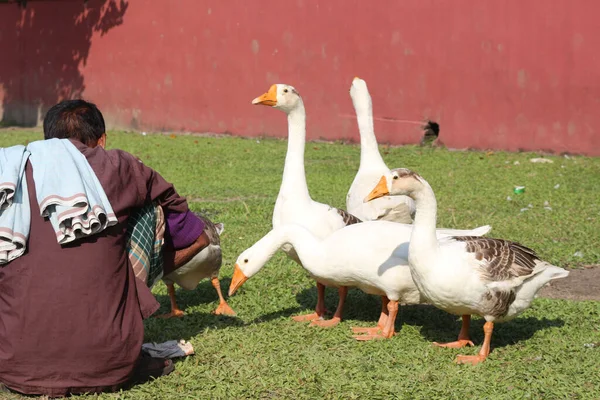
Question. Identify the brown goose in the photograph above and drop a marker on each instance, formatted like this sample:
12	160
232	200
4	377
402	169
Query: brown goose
463	275
205	264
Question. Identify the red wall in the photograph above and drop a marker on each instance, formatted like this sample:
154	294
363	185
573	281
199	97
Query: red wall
508	74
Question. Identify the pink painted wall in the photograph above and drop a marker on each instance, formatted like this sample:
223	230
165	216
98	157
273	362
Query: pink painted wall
506	74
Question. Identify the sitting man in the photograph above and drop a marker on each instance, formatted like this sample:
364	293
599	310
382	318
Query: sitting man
71	316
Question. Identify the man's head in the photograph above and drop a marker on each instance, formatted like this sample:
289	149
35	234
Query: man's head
76	119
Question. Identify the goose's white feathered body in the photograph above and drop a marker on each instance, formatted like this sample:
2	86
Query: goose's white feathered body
371	256
360	256
465	275
372	167
455	281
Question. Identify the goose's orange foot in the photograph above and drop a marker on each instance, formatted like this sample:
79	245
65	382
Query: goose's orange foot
224	309
373	333
177	313
325	323
368	331
473	360
306	317
455	345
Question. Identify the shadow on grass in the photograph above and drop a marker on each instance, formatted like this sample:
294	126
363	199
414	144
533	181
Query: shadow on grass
187	327
439	326
436	325
286	312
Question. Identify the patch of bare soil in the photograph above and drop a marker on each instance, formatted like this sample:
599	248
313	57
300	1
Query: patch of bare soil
581	284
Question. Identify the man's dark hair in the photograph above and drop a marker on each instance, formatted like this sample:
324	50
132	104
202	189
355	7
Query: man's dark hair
74	119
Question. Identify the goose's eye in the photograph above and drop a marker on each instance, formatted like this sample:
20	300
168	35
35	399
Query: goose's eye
395	176
285	90
245	260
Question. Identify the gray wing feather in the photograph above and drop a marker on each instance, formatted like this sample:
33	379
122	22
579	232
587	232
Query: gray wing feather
503	260
349	219
210	229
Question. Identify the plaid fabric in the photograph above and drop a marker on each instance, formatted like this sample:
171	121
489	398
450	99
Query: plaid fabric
145	230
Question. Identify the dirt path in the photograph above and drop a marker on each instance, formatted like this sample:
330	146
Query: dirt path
581	284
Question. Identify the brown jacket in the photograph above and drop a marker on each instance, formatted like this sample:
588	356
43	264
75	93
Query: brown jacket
71	316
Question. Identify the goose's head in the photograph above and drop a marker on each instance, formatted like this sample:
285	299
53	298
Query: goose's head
360	94
397	182
280	96
247	265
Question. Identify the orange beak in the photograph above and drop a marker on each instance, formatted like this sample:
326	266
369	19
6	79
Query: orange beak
267	99
237	280
379	191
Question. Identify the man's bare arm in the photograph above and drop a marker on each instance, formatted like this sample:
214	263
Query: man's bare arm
178	258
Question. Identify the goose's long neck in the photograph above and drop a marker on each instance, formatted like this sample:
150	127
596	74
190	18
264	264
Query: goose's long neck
423	248
369	151
294	177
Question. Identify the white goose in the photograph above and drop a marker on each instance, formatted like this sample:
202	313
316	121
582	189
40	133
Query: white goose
463	275
294	204
372	167
372	256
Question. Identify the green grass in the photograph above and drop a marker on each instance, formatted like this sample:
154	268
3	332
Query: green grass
263	354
